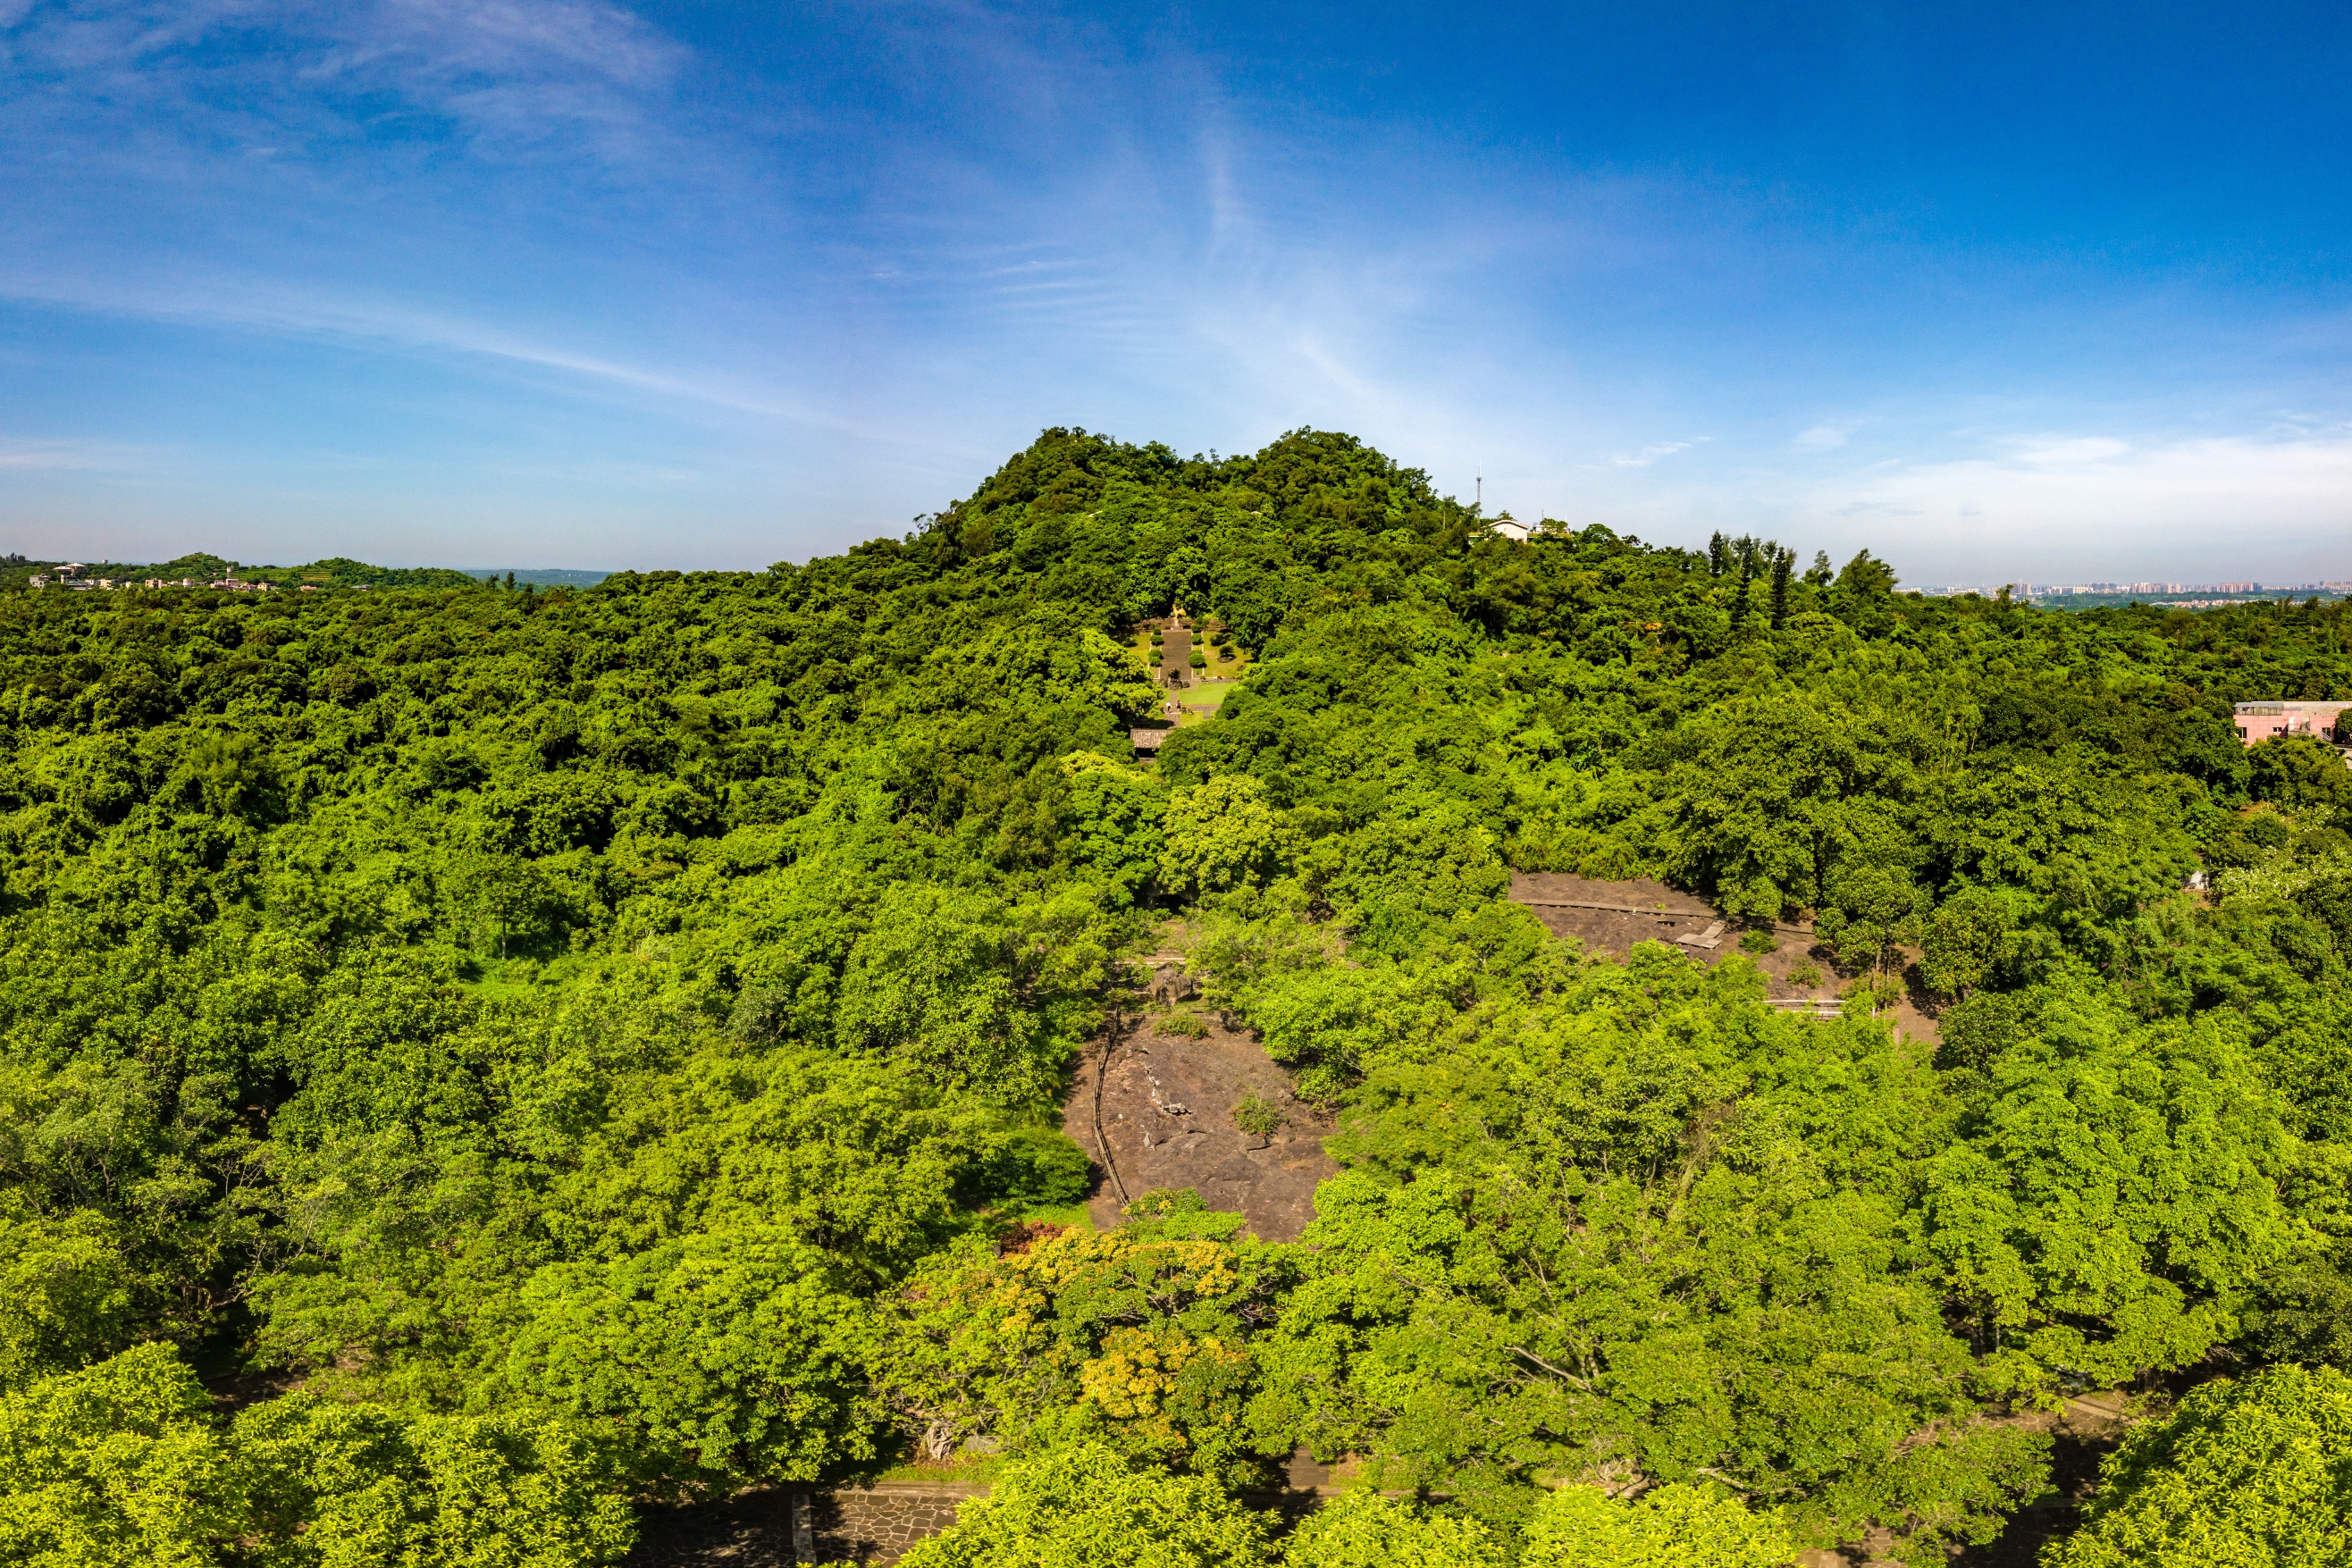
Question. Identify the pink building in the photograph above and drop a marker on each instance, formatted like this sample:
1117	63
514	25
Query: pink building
2260	721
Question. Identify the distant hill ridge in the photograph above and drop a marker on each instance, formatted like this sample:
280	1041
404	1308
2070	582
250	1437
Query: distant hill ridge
335	571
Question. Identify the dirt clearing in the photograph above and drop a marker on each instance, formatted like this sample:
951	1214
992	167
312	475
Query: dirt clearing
1161	1114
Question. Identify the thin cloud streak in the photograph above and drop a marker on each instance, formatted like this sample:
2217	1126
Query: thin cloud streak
1649	454
67	456
283	311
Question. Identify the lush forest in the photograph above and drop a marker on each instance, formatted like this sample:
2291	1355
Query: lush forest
477	1063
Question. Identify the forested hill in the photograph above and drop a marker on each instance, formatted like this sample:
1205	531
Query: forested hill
536	1055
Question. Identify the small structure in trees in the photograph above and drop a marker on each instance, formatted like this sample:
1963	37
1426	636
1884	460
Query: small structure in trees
2259	722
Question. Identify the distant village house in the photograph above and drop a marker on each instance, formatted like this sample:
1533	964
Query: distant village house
2259	722
75	575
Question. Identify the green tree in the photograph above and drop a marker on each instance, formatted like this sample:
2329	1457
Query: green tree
1223	834
125	1463
1086	1507
1636	1215
66	1290
709	1361
1680	1526
1970	937
1865	577
1361	1529
2255	1471
1138	1337
1763	797
2111	1207
2296	772
119	1465
1869	912
1111	823
349	1486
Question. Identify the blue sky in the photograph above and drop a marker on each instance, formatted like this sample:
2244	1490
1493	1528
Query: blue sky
1995	290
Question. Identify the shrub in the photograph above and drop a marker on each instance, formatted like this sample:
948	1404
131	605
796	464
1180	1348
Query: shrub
1258	1115
1807	974
1882	991
1759	939
1183	1023
1197	660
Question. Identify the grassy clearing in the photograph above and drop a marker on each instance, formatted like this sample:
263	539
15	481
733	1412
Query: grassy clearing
1202	701
969	1469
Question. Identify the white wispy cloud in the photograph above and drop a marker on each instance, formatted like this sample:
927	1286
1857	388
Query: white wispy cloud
522	71
2105	505
2048	452
27	455
297	78
862	301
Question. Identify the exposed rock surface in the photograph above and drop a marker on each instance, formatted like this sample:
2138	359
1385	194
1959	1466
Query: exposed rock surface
1610	918
1156	1110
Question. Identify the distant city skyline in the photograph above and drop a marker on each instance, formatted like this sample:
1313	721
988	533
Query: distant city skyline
1995	290
2241	586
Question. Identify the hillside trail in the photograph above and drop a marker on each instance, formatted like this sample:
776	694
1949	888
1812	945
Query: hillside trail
1153	1103
1176	651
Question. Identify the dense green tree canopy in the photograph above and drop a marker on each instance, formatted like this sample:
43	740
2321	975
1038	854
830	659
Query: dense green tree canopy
605	1045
